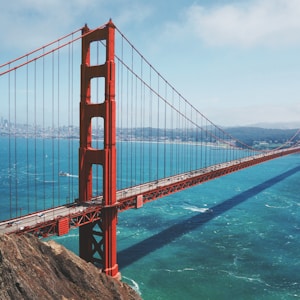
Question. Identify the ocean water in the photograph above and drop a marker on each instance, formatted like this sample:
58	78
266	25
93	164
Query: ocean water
236	237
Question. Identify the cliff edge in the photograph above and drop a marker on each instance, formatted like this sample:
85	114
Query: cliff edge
32	269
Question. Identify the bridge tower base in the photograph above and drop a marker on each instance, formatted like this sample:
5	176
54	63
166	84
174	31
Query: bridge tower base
97	240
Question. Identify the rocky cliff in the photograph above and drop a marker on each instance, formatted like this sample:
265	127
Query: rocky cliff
32	269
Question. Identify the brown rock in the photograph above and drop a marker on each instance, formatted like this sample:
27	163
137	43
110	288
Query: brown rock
32	269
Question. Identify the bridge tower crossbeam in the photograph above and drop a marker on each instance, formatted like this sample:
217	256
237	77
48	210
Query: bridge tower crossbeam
97	240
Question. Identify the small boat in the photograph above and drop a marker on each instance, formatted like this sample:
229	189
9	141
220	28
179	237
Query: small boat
63	173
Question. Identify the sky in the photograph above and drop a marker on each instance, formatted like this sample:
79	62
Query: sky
238	62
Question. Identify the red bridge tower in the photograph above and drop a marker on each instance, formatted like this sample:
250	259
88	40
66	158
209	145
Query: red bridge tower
97	240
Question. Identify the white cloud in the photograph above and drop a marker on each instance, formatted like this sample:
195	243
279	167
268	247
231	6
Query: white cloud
27	24
133	13
247	24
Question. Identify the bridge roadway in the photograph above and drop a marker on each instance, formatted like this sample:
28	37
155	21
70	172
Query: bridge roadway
49	222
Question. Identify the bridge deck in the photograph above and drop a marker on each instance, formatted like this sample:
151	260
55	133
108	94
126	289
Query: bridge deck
47	222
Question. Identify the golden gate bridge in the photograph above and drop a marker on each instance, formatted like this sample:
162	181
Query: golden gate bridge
81	144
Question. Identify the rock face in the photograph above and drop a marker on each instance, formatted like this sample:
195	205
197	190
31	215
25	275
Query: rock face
32	269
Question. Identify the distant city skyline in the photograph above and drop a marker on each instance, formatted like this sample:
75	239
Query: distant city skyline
236	61
270	125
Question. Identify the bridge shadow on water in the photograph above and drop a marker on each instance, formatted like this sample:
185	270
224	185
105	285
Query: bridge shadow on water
141	249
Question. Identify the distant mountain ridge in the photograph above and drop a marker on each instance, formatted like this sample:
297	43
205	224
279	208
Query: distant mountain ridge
253	135
277	125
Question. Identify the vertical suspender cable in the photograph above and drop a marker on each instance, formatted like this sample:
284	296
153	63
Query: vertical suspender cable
224	149
165	132
205	144
121	105
202	143
172	128
69	125
177	141
192	138
119	125
130	115
185	155
158	129
184	138
52	130
58	124
35	139
135	126
142	116
15	143
44	130
72	120
127	159
180	146
192	147
9	148
216	138
197	142
27	138
150	130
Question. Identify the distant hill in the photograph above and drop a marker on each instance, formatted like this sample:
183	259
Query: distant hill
285	125
250	135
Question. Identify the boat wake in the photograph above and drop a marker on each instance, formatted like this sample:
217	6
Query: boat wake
66	174
278	207
179	270
198	209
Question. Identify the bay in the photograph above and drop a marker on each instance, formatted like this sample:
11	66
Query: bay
234	237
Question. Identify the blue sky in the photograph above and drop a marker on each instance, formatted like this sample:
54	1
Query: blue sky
238	62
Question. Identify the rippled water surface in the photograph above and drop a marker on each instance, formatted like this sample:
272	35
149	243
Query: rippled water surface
237	237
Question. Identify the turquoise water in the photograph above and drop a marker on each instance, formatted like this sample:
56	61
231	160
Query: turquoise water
245	247
236	237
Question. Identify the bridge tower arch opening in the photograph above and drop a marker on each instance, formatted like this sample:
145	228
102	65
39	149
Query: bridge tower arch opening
97	240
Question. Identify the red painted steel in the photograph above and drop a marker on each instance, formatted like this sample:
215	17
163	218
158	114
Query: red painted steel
63	226
92	241
134	201
139	201
90	214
